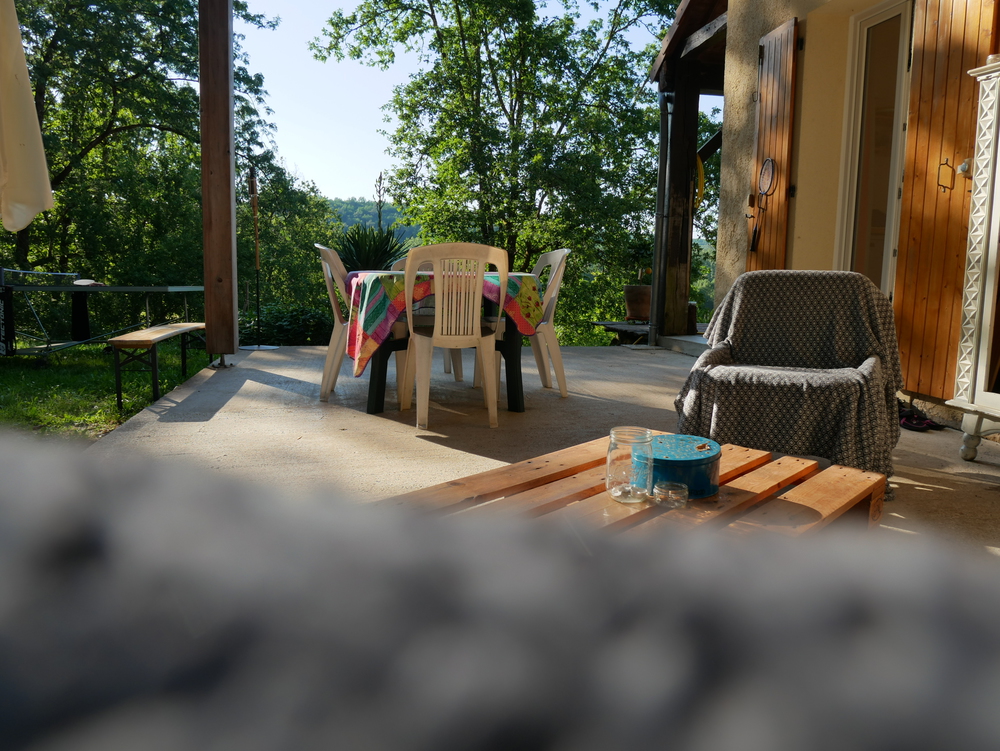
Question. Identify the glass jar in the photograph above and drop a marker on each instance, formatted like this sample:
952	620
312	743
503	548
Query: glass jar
629	476
670	494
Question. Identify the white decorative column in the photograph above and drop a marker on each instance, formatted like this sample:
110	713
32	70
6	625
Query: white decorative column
979	301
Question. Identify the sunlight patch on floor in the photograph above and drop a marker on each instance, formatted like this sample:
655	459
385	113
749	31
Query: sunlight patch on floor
897	529
897	481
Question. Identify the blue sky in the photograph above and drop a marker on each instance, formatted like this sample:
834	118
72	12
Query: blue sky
328	114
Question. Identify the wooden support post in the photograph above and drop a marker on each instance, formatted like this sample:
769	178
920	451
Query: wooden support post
674	239
218	174
659	282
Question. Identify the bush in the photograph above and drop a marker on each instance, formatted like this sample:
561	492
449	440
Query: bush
287	324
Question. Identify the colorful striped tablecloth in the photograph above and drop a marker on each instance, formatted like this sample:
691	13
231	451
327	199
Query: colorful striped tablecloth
378	298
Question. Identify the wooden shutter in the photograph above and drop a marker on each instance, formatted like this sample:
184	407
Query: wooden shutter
950	37
775	104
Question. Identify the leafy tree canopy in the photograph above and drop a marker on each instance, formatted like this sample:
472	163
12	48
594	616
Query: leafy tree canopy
115	75
115	90
526	129
363	211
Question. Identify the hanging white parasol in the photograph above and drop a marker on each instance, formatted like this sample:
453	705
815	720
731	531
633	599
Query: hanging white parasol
24	176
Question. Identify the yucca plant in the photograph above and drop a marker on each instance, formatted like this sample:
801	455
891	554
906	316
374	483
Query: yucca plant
369	248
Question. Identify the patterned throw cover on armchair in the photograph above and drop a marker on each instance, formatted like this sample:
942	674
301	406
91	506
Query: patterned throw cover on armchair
800	362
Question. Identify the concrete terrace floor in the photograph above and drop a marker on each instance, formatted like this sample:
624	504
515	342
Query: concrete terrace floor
261	421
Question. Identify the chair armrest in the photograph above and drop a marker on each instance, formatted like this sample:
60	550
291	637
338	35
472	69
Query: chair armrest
721	354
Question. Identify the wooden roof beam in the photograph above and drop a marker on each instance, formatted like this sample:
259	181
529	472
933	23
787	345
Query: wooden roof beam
705	36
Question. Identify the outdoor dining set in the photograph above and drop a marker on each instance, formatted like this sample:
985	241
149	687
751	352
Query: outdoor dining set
451	296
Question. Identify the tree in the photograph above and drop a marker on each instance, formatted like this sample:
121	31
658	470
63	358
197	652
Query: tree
706	217
706	221
114	86
115	92
526	131
292	215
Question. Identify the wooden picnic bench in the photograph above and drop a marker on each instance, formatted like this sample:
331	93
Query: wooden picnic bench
140	347
758	494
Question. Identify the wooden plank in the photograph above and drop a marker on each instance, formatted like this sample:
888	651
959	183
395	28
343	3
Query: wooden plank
545	499
704	35
146	338
542	484
948	74
552	496
734	461
972	52
950	37
732	500
737	460
503	481
905	303
815	503
930	256
218	173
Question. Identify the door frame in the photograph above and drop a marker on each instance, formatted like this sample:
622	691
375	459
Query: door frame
851	139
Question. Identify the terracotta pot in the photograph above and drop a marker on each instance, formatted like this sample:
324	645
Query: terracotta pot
637	298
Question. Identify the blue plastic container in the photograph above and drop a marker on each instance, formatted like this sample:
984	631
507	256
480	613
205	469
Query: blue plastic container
689	459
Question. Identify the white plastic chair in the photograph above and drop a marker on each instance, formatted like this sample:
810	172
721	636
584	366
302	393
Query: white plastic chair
451	357
335	276
544	343
458	322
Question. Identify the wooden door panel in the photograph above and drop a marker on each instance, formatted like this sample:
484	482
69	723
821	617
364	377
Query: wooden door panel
950	37
775	106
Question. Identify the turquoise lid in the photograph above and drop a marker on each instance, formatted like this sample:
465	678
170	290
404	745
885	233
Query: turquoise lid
684	449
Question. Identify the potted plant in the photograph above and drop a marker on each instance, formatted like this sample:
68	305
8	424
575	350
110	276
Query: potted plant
637	296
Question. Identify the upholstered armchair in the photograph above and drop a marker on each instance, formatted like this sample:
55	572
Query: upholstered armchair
800	362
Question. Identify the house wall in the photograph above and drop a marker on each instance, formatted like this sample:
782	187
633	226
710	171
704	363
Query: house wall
749	20
818	129
950	37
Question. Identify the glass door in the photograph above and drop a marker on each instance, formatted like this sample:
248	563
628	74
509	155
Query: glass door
876	113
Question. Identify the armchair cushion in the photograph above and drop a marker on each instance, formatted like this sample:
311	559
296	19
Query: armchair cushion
801	362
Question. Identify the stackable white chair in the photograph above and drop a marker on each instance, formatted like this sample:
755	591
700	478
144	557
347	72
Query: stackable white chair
335	276
544	343
451	357
458	322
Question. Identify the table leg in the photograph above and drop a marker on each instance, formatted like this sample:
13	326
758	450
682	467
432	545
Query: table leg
118	377
510	349
7	336
79	317
154	364
379	364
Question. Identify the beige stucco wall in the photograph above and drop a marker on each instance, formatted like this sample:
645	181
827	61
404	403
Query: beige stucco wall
818	129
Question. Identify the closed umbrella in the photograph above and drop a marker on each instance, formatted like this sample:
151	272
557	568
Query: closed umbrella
24	177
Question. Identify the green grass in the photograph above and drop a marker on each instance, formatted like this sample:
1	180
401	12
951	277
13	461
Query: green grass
72	392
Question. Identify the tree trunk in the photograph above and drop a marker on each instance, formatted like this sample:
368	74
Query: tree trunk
21	247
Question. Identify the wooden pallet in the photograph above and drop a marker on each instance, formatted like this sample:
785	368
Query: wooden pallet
758	494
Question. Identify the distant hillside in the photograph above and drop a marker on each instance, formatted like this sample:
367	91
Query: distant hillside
361	211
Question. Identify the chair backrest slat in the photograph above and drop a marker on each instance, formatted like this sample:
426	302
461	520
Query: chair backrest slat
459	270
335	276
556	261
